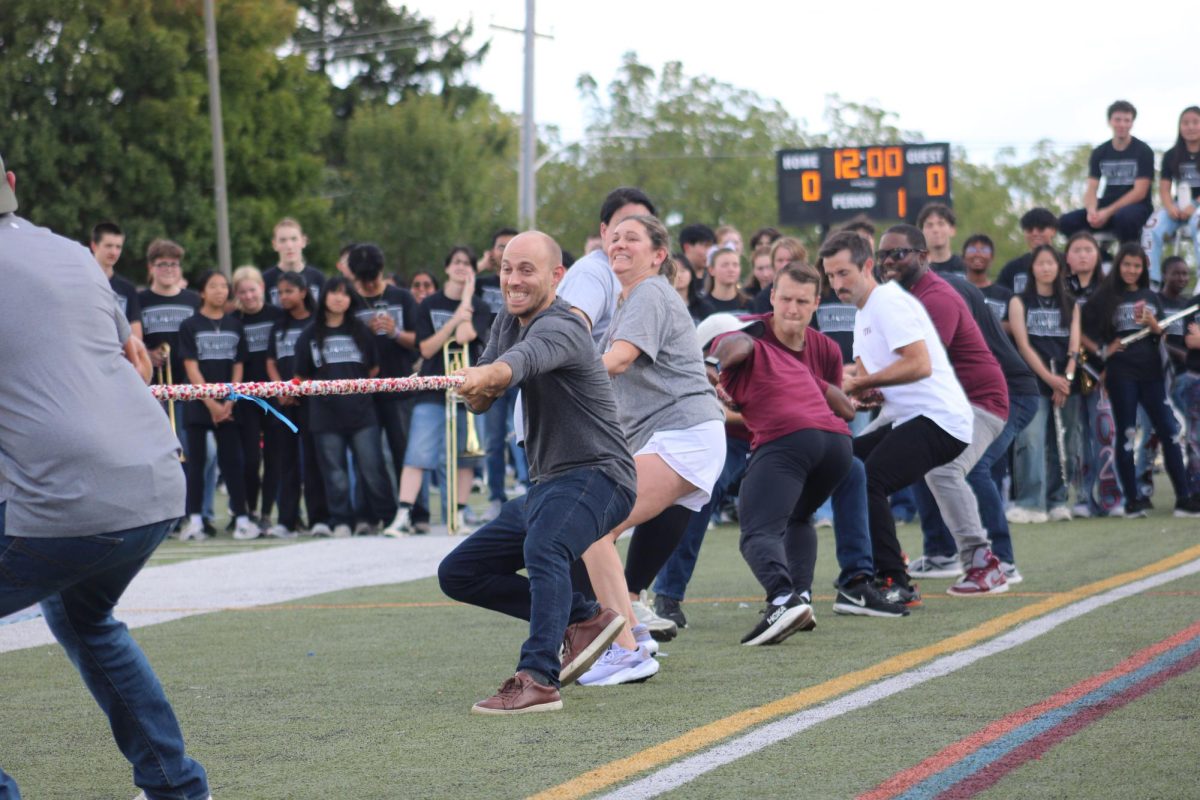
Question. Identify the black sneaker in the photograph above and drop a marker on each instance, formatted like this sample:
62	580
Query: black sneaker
668	608
901	593
1188	506
1134	510
862	599
779	622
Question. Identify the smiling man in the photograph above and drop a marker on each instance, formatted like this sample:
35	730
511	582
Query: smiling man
925	420
582	474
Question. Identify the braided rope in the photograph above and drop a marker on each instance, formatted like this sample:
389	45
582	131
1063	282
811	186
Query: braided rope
295	388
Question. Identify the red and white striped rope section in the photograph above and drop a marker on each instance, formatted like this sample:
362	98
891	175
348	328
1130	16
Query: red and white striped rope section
220	391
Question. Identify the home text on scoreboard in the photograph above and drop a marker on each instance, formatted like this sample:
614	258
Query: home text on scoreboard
830	185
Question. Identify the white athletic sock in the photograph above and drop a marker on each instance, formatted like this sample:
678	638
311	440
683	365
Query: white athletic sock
781	599
196	519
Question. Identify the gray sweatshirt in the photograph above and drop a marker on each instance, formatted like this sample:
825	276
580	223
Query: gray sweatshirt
570	410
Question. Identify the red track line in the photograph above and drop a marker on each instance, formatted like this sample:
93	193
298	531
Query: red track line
902	781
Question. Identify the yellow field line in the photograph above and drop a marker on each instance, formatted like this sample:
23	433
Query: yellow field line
705	735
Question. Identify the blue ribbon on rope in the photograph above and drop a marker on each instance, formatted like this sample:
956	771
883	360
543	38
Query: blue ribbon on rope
235	395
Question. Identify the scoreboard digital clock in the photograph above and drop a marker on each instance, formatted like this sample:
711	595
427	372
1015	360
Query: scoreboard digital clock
830	185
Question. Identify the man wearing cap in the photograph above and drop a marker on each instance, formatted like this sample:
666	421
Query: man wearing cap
583	477
93	485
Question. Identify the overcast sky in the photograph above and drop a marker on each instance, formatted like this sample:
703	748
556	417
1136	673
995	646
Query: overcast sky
976	75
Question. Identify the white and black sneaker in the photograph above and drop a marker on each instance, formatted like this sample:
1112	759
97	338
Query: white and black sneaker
862	599
779	622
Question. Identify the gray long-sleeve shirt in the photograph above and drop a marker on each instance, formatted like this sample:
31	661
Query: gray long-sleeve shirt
570	410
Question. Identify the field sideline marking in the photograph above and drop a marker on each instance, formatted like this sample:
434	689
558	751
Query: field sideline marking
1123	585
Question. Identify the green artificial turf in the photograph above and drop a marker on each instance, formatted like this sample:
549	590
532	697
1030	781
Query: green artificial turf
370	699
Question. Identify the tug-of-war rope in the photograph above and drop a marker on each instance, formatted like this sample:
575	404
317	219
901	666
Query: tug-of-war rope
257	392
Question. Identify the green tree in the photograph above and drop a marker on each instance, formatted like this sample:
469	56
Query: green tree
702	149
108	119
422	176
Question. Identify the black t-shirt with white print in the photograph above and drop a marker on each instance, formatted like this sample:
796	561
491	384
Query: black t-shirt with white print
394	361
216	345
1186	173
953	265
127	298
338	357
312	276
432	315
257	330
281	348
1176	331
835	319
162	317
1049	333
1141	360
487	290
1118	169
997	297
739	303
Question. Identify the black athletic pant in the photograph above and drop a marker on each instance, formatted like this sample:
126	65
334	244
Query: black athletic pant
786	480
229	459
259	450
298	466
896	457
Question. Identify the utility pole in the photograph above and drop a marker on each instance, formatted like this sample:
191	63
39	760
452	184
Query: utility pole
527	195
224	256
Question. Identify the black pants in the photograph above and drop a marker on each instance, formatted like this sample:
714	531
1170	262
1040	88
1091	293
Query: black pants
260	449
229	459
298	467
896	457
650	547
786	481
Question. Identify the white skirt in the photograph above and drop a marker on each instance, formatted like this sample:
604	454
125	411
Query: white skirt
696	454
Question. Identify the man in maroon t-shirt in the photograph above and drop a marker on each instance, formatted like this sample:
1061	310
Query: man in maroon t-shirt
905	258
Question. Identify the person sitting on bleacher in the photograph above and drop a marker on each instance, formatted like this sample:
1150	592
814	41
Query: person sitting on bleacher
1180	166
1126	164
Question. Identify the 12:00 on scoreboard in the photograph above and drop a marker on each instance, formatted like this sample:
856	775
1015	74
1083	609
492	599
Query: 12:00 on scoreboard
830	185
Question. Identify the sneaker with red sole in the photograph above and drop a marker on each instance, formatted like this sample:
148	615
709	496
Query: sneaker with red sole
985	577
520	694
586	641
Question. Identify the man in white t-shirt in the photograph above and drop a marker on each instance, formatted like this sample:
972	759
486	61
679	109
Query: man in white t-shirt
925	420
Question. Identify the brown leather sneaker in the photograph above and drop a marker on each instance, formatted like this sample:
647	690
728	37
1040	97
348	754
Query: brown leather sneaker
520	694
586	641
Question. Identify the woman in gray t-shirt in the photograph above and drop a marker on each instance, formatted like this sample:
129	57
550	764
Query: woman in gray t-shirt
671	416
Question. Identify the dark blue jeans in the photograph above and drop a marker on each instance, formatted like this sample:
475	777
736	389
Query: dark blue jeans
78	582
496	422
676	574
367	447
938	541
1126	396
1126	224
851	525
542	532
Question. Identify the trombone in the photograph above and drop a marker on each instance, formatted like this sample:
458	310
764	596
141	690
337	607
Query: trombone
454	358
164	377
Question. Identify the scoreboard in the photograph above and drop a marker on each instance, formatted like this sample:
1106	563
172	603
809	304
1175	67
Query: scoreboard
830	185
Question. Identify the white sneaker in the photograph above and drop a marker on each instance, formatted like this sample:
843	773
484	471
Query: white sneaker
471	517
245	528
618	666
364	529
464	528
278	531
1017	515
401	524
1011	572
660	628
823	522
935	567
1081	511
342	531
641	635
193	530
321	530
1060	514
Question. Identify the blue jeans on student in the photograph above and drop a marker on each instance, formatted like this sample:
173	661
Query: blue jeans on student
1162	225
497	422
1126	397
1037	470
366	445
1186	396
938	540
1126	224
78	581
676	574
851	526
543	532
